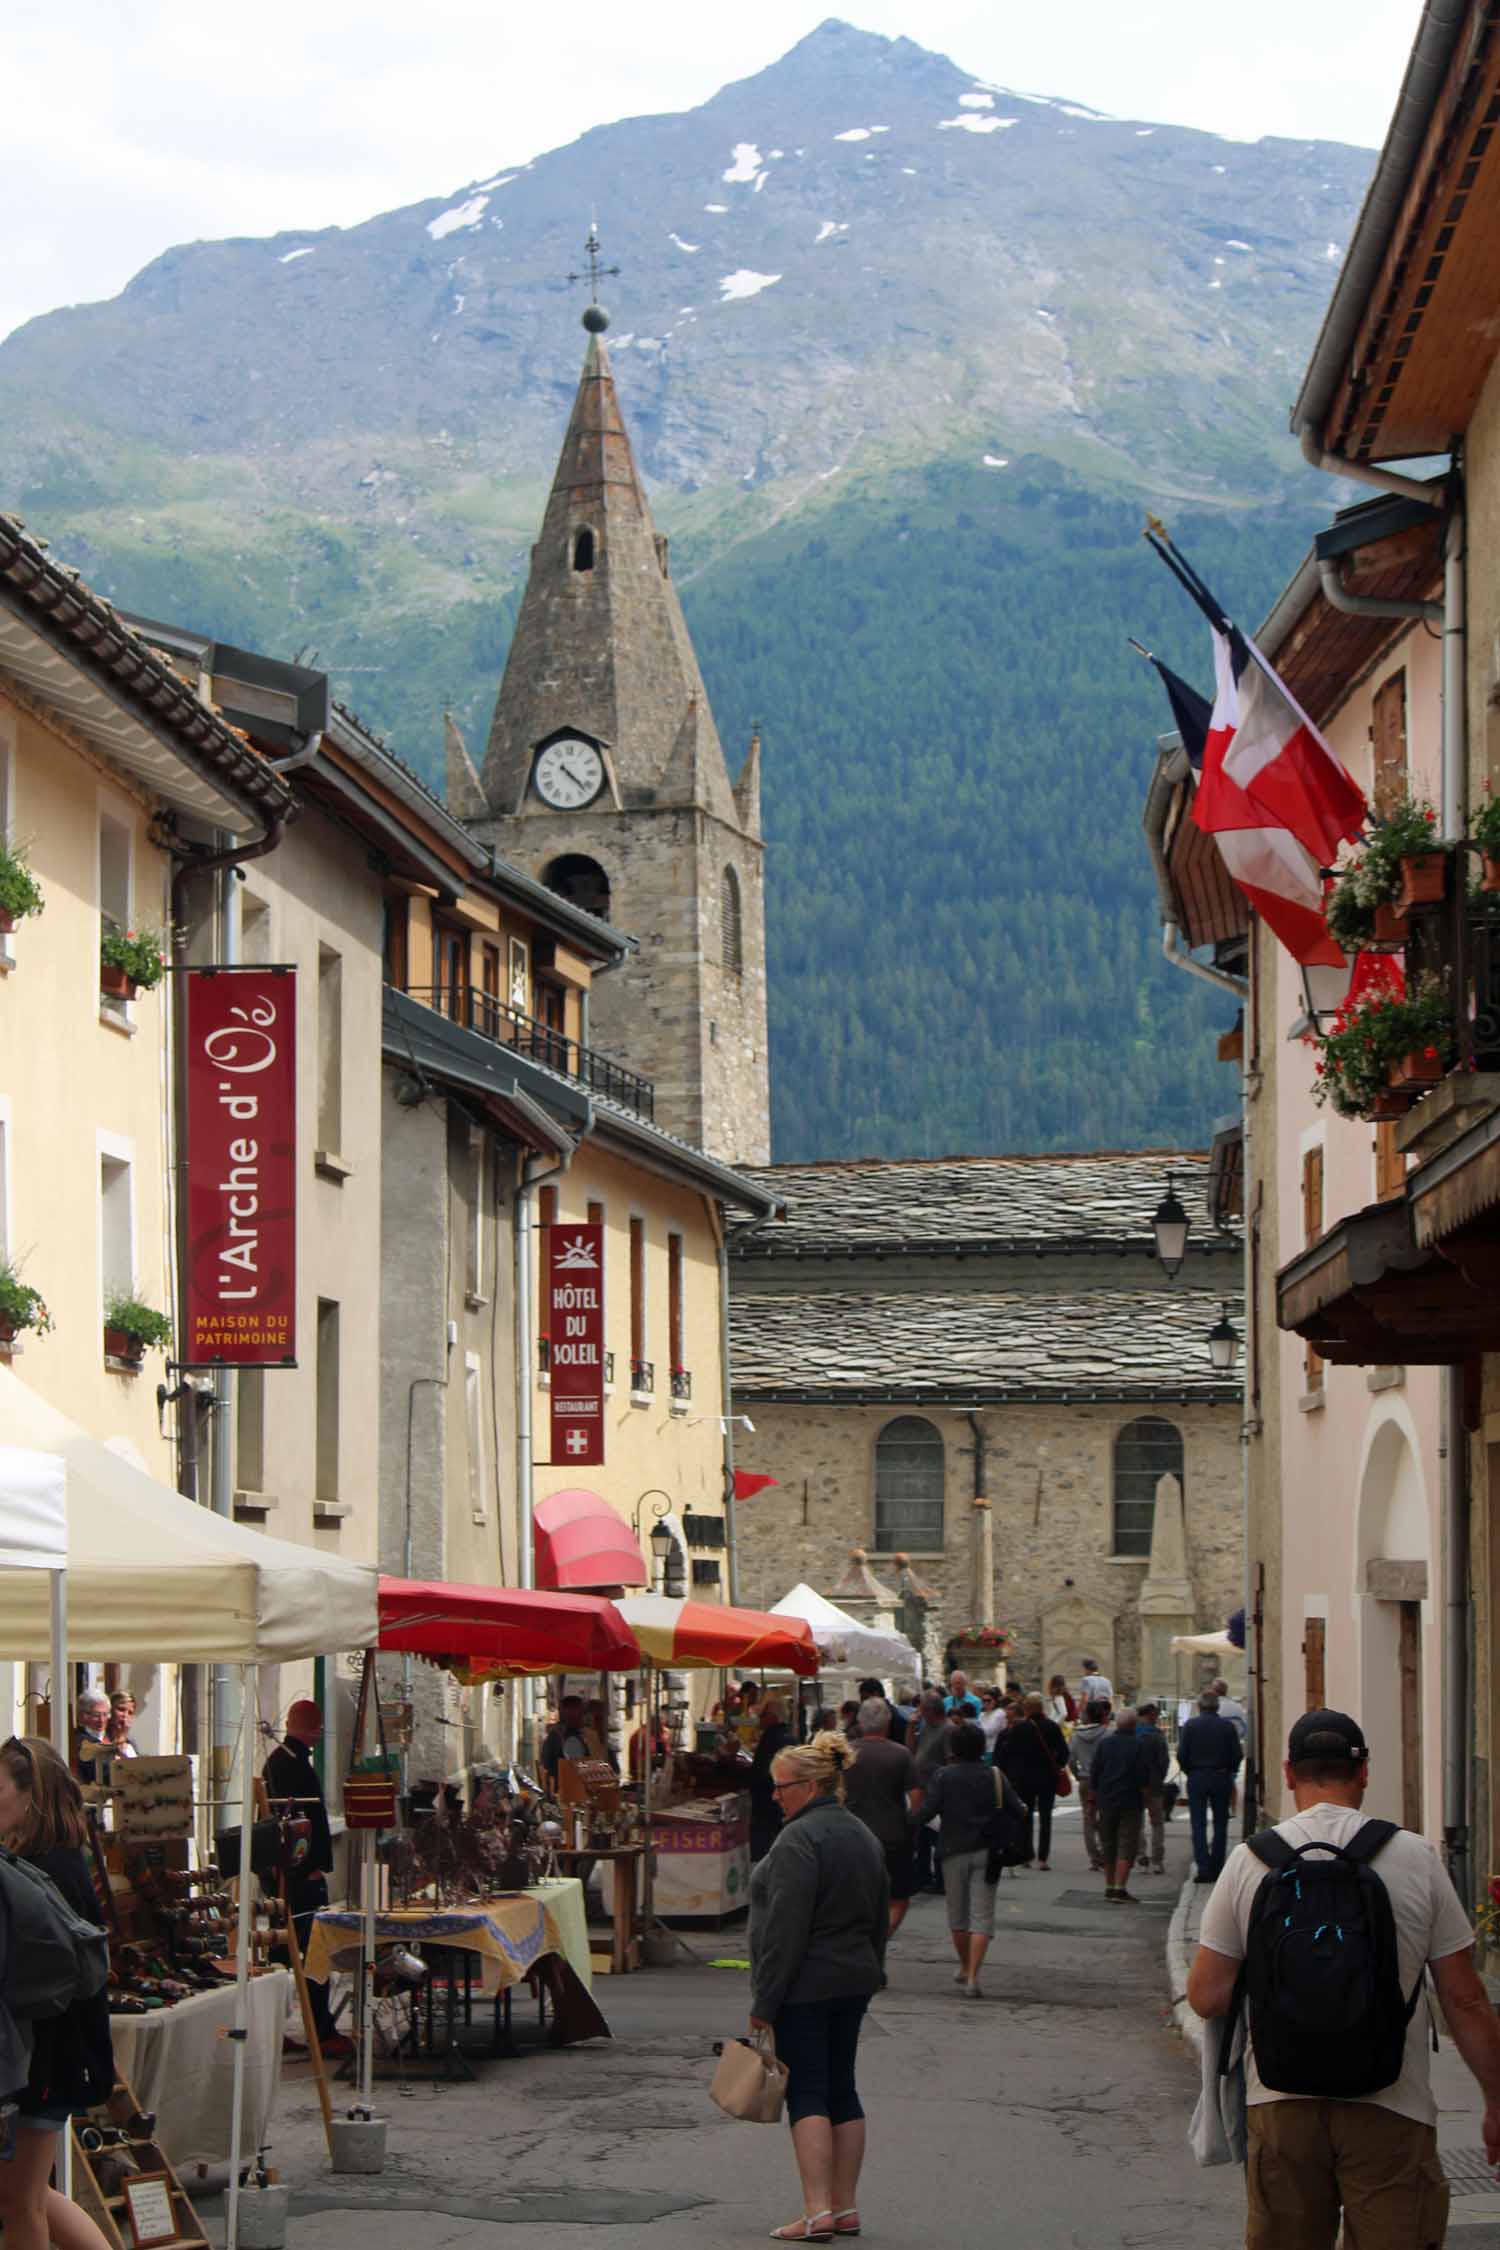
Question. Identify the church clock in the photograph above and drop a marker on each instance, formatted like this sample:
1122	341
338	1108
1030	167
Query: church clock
569	773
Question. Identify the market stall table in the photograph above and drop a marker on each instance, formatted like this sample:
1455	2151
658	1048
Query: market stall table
539	1932
179	2062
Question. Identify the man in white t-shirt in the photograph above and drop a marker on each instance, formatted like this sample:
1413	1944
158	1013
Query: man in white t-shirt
1373	2156
1094	1686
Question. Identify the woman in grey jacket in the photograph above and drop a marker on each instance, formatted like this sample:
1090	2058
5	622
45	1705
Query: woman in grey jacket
819	1917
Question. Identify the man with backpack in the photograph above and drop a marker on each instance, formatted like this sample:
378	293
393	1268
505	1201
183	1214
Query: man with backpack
1320	1933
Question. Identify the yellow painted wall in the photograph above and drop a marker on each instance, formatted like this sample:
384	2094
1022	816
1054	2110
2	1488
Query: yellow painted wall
71	1082
678	1449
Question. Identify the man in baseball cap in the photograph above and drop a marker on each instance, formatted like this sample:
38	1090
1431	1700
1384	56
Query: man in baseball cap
1368	2154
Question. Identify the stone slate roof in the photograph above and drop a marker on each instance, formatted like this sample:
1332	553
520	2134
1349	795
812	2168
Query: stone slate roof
991	1203
982	1346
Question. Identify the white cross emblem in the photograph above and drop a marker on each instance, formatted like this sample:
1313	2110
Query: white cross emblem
577	1441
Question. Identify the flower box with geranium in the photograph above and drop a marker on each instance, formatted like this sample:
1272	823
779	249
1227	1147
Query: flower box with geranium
130	961
20	892
1384	1046
131	1325
992	1637
21	1306
1400	865
1484	827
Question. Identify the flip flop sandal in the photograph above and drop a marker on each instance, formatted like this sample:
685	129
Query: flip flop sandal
806	2229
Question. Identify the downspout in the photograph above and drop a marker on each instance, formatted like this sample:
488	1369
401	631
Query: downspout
227	1681
239	855
1369	605
1180	958
1362	472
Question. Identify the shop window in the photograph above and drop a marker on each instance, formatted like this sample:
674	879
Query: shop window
1145	1451
326	1466
581	881
330	1050
909	1477
734	924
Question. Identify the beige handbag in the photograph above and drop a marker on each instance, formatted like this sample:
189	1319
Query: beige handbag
748	2081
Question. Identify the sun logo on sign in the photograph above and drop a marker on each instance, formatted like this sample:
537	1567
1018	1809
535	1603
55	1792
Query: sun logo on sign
577	1256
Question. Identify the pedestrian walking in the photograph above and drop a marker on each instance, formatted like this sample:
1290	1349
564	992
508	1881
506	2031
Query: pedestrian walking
1340	2117
1095	1686
1209	1752
1061	1705
992	1718
72	2060
932	1748
1030	1754
898	1720
881	1790
1158	1757
819	1920
1231	1708
1089	1732
294	1787
966	1794
1118	1778
765	1813
962	1702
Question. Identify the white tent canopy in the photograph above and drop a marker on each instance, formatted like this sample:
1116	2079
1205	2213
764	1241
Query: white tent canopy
152	1578
1205	1644
844	1640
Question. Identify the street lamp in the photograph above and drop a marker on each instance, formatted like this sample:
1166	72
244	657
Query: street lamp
1170	1226
1223	1343
660	1536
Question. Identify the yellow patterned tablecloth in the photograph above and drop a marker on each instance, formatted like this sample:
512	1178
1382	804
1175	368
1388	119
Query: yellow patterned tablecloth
510	1934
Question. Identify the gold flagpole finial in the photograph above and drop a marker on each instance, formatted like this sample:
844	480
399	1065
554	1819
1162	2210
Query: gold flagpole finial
1154	525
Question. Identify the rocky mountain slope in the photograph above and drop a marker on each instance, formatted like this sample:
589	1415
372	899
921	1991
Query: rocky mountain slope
864	297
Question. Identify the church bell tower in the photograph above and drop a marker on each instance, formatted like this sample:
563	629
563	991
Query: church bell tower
605	777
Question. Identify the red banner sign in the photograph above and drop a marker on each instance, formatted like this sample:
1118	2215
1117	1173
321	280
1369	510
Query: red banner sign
240	1302
575	1336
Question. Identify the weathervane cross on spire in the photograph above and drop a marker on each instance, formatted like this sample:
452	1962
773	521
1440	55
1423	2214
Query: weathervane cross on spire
595	318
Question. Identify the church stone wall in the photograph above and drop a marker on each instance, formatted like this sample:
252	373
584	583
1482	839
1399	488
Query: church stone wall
1048	1472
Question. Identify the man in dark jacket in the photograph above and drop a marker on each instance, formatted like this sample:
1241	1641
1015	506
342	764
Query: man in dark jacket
294	1788
1117	1776
1158	1759
1209	1752
931	1749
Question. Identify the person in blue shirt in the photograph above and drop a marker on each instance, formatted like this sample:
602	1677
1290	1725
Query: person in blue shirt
961	1702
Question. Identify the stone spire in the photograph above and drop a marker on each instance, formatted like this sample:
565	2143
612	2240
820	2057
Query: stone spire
464	793
601	646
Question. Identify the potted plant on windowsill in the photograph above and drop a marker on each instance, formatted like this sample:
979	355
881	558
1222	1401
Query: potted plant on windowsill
21	1306
130	961
20	892
131	1325
1407	842
1384	1049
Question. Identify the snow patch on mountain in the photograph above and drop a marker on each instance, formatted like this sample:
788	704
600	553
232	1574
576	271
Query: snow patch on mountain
744	283
293	255
692	248
746	164
973	124
465	214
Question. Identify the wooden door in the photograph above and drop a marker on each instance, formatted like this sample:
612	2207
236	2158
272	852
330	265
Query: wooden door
1314	1665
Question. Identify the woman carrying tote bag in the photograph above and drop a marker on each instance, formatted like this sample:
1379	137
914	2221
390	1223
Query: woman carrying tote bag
819	1917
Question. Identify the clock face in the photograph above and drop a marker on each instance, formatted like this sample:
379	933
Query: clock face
569	773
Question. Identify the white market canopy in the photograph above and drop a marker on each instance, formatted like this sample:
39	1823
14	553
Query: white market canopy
844	1640
1204	1644
152	1578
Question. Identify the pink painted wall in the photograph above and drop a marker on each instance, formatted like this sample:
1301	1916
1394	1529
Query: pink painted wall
1359	1475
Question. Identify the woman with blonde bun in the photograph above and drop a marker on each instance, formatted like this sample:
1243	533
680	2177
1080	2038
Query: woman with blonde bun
819	1918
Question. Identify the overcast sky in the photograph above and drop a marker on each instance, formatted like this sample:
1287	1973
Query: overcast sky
131	125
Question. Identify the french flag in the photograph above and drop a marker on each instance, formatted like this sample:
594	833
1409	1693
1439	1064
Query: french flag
1274	797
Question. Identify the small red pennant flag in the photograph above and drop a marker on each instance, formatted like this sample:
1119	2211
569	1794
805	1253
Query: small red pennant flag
747	1484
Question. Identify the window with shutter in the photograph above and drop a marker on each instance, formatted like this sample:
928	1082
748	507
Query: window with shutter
1388	725
1312	1228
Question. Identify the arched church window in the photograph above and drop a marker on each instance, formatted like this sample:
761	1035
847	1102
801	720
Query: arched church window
581	881
909	1487
733	915
583	550
1146	1450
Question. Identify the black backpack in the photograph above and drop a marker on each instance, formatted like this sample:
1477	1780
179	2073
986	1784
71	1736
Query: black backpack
1321	1977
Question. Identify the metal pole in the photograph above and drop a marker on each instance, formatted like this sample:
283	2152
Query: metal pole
60	1696
367	1981
1457	1717
248	1683
731	1527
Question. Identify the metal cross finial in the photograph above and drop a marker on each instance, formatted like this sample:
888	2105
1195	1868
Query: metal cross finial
596	272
